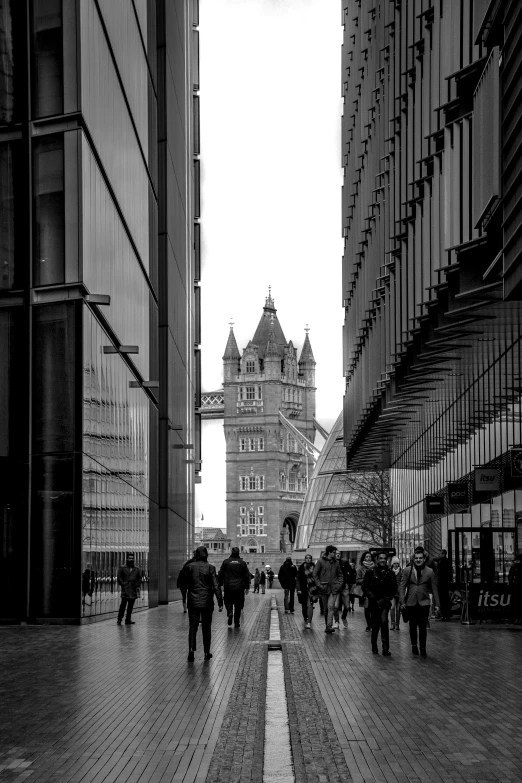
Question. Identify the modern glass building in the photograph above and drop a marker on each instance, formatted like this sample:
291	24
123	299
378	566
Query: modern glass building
99	301
432	269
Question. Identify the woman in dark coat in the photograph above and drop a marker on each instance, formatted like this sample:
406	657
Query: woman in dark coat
200	581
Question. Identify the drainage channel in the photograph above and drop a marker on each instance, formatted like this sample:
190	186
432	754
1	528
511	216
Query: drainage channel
277	763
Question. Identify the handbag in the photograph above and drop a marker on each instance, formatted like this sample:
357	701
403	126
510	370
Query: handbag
357	590
405	611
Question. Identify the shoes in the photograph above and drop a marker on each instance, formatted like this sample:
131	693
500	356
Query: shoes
229	619
118	622
329	630
386	652
130	622
208	656
286	611
336	625
345	622
397	627
291	611
414	649
184	611
423	653
375	650
190	656
308	625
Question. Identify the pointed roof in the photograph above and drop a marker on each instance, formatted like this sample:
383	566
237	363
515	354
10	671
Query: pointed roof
306	353
269	324
231	351
271	346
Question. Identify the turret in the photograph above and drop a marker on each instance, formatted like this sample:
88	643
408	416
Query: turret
231	357
272	358
307	362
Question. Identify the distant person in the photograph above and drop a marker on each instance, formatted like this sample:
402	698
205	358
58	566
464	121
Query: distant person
349	577
353	569
234	577
396	604
270	576
262	582
323	599
307	589
181	586
288	579
328	579
418	581
129	579
444	578
200	581
515	584
365	563
257	580
379	586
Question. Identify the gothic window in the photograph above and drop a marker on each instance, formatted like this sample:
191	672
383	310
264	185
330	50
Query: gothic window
242	444
261	444
243	483
262	548
250	366
250	392
282	481
242	510
251	517
251	444
261	482
252	482
241	392
260	511
292	481
259	393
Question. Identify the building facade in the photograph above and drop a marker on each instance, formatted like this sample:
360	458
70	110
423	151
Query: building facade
267	465
99	322
432	269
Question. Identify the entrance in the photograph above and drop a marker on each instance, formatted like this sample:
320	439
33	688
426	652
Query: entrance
486	554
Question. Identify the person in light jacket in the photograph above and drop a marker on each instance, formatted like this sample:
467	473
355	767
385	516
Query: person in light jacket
417	582
328	579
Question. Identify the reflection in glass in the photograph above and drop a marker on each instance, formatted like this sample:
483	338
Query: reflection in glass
9	183
49	210
48	57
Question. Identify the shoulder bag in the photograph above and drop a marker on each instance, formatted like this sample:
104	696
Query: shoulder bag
404	610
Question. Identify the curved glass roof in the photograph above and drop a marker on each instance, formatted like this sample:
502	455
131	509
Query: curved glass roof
325	517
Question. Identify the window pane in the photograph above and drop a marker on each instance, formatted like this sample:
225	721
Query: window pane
11	55
49	210
10	218
48	58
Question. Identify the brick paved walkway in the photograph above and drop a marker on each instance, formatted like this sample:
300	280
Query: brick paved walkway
102	703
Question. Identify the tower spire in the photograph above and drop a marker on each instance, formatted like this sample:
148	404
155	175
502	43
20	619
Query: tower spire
231	350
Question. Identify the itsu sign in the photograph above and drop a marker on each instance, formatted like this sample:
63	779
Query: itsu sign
489	602
487	479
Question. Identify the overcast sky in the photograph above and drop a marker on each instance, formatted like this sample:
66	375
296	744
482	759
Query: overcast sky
270	79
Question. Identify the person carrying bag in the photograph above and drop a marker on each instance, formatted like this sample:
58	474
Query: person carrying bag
414	595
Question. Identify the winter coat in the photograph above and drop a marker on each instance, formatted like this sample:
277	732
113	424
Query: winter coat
262	578
179	583
348	573
257	579
287	576
380	586
328	576
413	591
398	577
305	581
234	575
200	580
129	580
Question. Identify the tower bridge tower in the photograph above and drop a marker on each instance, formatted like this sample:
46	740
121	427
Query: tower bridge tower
267	461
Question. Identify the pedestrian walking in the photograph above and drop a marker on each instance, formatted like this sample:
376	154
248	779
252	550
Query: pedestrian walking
444	574
515	584
343	600
328	579
323	599
129	579
417	582
396	604
181	586
353	569
270	576
234	577
365	563
379	586
200	580
287	579
257	580
262	582
307	589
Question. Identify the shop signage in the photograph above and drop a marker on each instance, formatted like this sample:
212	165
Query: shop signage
516	463
489	602
434	504
487	479
458	495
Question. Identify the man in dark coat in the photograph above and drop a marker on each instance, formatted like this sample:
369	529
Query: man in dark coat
380	586
200	580
181	586
129	579
234	577
328	579
287	579
444	577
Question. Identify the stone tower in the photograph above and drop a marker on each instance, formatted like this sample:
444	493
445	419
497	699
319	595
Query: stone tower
267	468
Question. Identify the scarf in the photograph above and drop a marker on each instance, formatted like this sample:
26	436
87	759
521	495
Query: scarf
311	588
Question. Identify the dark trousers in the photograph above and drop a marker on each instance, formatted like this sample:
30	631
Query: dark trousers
418	617
379	622
129	604
203	616
445	603
307	607
234	603
289	599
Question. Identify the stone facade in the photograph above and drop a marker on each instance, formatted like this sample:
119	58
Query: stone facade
267	468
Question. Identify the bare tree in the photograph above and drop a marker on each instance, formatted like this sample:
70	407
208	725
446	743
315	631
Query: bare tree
370	508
